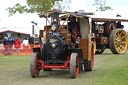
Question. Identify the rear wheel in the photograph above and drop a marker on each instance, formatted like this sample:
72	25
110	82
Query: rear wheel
85	64
109	26
34	65
74	65
118	41
80	66
94	44
89	65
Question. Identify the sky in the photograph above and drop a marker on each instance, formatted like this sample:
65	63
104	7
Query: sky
24	20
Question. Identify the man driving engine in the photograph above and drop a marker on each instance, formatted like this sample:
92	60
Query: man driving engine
72	24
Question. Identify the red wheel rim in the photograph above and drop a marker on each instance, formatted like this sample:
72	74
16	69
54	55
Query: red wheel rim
77	66
92	57
37	71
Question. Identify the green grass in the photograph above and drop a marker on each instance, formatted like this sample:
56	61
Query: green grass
109	69
114	69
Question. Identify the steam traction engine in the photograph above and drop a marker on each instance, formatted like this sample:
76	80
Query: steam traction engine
109	33
63	49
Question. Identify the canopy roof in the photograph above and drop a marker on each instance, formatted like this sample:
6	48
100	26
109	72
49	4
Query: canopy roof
50	14
95	18
83	15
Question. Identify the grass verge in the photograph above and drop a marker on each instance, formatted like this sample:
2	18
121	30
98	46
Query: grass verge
110	69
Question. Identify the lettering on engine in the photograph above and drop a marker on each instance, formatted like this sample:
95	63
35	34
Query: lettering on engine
53	40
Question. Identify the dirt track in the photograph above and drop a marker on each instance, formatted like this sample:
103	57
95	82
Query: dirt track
14	70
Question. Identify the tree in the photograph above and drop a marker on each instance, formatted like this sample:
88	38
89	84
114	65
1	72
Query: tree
103	8
38	6
101	5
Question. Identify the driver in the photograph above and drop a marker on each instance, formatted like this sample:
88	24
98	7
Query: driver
73	23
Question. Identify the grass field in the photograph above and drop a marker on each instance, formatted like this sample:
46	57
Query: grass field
109	69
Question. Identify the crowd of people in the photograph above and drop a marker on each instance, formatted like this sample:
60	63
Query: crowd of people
9	42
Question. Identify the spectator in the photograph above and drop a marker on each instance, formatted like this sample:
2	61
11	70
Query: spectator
5	52
26	45
17	45
31	42
10	43
37	41
41	42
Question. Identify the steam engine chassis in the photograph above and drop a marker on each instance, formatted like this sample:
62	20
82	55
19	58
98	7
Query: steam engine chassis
63	49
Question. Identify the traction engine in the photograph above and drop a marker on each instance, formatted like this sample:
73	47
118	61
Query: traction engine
62	49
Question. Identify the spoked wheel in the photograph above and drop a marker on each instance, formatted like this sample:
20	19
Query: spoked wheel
109	26
74	65
118	41
89	65
100	50
34	65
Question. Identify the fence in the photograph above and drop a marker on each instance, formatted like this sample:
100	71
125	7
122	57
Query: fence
5	50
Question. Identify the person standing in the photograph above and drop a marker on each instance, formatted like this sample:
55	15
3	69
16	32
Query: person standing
26	45
37	41
31	42
5	52
17	45
10	43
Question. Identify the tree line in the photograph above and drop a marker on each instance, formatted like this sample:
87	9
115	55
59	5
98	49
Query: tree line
38	6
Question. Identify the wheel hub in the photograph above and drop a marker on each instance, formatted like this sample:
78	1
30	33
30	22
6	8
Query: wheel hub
119	41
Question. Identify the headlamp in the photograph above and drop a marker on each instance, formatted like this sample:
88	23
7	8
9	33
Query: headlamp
53	27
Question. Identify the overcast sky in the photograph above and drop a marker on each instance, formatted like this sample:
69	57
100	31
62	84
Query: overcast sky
24	20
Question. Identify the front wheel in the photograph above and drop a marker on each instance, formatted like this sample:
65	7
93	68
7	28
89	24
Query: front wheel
34	65
118	41
74	65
